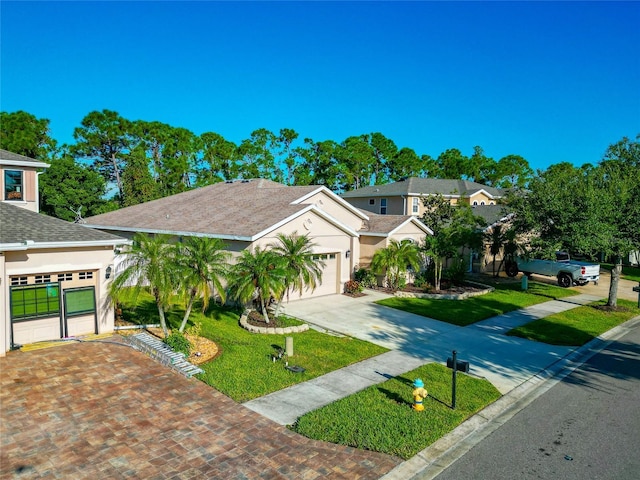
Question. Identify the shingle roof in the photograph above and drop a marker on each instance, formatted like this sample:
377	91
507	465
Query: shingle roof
240	209
17	225
418	186
382	223
491	213
15	158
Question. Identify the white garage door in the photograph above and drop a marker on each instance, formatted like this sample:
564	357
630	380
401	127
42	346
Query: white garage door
330	281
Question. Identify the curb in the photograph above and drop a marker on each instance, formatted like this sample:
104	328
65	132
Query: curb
437	457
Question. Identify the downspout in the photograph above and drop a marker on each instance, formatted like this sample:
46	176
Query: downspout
38	191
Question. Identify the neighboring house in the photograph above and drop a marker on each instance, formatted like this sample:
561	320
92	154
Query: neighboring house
53	274
19	179
250	213
405	197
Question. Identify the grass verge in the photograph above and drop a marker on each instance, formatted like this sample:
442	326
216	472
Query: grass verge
380	418
245	370
628	272
505	298
577	326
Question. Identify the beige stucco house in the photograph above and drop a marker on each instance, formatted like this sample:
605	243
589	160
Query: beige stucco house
53	274
250	213
405	197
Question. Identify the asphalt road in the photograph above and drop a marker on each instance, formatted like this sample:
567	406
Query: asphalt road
585	427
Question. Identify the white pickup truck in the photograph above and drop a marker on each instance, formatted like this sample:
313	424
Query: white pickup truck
568	272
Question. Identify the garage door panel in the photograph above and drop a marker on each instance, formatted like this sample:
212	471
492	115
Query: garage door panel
36	330
329	284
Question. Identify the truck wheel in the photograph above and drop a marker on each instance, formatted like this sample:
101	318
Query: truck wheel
564	280
511	269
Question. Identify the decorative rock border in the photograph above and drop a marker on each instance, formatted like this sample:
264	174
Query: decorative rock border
273	331
448	296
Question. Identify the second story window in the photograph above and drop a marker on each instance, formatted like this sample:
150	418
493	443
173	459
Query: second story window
383	206
414	208
13	185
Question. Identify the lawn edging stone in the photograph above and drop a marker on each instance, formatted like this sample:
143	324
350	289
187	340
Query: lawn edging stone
272	331
448	296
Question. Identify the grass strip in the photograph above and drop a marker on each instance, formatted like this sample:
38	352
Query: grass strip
380	418
577	326
505	298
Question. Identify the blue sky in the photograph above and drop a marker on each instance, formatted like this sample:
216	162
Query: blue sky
549	81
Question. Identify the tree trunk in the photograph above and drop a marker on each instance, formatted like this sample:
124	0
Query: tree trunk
265	314
163	322
613	286
494	266
187	312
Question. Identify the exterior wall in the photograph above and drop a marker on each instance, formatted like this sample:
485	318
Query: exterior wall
395	205
30	186
327	204
408	232
481	198
53	262
368	246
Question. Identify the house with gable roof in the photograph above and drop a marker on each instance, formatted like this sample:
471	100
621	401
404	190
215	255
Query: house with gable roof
250	213
53	274
405	197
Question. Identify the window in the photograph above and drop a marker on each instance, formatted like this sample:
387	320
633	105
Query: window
415	205
65	277
13	185
383	206
85	275
482	203
475	203
372	201
79	301
35	301
18	281
492	203
43	279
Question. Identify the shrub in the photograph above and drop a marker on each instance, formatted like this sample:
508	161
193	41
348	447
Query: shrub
352	287
178	343
366	278
420	280
195	330
456	272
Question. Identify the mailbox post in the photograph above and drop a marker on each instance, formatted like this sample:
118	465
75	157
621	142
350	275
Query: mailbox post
453	363
637	289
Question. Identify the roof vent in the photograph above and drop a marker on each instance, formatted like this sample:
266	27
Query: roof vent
245	181
228	181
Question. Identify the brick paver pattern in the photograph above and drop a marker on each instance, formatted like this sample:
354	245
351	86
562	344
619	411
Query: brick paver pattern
103	410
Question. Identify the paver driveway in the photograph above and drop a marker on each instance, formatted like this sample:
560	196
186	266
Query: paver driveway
99	410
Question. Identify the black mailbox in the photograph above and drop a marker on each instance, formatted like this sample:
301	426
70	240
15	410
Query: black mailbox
460	365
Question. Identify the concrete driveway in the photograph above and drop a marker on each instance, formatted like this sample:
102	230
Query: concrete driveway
505	361
105	411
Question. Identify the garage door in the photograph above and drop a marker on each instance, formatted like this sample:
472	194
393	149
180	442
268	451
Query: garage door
330	279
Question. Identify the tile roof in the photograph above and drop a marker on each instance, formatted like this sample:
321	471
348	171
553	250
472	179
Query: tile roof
15	158
239	209
418	186
17	225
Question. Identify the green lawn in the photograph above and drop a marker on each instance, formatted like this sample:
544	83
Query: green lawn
380	418
577	326
628	273
245	369
505	298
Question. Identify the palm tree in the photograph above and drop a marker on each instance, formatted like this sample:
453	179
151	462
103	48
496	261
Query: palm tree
496	240
202	264
148	266
302	270
257	275
394	260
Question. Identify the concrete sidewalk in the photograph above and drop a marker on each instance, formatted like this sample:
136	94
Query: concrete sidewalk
506	362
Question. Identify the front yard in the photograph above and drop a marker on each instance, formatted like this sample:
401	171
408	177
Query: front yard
505	298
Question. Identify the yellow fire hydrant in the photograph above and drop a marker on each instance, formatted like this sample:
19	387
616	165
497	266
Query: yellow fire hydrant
419	394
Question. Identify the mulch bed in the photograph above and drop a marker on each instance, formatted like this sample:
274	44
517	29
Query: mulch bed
257	320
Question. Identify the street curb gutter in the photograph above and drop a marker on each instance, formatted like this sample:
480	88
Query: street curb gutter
437	457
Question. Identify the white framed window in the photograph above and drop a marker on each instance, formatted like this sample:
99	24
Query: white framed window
475	203
383	206
372	201
16	281
482	202
13	185
415	206
43	279
85	275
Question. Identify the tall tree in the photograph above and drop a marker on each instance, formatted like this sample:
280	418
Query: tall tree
512	171
480	167
287	155
202	264
319	165
257	156
147	266
355	155
178	161
302	270
219	159
104	138
68	188
452	164
138	185
384	150
405	163
24	134
257	275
